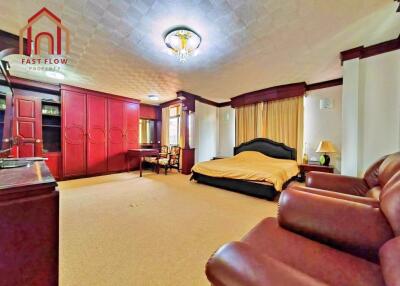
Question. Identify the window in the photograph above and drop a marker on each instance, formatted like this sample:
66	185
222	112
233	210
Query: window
174	125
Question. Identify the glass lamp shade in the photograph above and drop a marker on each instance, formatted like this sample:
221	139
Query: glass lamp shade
182	42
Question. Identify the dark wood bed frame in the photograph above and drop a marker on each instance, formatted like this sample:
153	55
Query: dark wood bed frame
262	145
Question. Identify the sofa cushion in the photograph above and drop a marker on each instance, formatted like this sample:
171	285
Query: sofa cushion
390	257
237	264
315	259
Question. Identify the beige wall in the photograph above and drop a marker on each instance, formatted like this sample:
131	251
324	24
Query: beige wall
226	117
323	124
371	108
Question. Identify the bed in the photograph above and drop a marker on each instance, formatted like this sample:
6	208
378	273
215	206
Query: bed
250	178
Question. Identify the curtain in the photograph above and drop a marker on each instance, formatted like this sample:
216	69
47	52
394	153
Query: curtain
278	120
250	122
285	119
182	127
165	126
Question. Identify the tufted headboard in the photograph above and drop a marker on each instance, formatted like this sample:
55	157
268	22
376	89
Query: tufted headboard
267	147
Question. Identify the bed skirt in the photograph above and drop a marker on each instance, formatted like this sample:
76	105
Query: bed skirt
240	186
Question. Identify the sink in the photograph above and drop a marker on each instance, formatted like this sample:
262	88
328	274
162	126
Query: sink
8	164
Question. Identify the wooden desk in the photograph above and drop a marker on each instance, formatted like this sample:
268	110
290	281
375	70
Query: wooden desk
141	153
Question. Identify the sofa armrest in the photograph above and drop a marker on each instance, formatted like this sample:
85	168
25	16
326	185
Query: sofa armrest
237	264
362	200
337	183
353	227
389	258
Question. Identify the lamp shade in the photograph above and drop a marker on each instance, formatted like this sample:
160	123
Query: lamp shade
325	146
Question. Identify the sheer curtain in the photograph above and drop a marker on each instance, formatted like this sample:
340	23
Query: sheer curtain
278	120
165	126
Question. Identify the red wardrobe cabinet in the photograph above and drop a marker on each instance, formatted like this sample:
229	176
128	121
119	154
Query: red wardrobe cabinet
73	120
132	131
116	135
98	129
96	134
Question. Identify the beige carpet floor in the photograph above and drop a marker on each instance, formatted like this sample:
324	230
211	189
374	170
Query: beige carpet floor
124	230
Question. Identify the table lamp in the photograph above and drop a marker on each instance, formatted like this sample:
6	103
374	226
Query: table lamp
325	147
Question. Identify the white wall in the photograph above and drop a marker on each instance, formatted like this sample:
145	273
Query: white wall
226	142
350	117
380	107
371	104
205	131
323	124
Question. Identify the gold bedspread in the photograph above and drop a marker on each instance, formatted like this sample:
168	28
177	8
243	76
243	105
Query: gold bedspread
250	166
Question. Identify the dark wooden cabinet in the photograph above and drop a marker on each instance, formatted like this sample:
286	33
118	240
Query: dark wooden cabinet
305	168
96	134
27	127
74	133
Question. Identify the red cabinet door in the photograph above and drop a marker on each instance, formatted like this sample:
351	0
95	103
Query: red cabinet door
74	133
116	135
97	134
132	129
27	126
53	162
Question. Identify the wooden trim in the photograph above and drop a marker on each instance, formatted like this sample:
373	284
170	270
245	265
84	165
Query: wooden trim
11	41
85	90
370	51
206	101
270	94
33	85
324	84
170	102
223	104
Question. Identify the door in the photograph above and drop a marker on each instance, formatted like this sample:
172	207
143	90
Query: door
27	131
116	135
132	129
97	134
74	133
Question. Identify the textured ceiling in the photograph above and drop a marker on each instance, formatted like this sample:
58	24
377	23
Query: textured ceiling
117	46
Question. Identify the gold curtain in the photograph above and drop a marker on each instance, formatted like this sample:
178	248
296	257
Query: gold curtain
182	130
285	119
250	122
278	120
165	126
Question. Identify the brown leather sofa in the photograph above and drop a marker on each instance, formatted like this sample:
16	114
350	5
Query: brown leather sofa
313	243
365	190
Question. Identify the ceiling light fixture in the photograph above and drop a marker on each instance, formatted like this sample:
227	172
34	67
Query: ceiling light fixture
153	97
182	42
54	74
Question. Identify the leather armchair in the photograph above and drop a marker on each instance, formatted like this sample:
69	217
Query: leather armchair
317	239
370	186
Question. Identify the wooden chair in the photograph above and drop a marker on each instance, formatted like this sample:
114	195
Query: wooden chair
164	152
171	162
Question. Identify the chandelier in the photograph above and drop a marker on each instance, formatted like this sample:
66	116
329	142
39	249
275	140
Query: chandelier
182	42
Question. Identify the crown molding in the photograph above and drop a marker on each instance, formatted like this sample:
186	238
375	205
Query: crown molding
370	51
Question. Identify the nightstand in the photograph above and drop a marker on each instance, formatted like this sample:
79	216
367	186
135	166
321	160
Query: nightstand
305	168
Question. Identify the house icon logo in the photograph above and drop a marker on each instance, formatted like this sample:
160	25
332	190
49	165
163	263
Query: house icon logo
34	41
